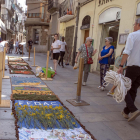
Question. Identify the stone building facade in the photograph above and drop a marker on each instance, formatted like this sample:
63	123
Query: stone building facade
37	25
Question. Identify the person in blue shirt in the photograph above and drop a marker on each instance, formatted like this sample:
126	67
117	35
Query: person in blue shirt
106	52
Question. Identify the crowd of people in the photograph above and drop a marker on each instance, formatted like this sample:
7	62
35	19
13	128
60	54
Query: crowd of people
129	66
9	45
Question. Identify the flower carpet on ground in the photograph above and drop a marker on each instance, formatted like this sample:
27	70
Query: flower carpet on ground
18	69
39	113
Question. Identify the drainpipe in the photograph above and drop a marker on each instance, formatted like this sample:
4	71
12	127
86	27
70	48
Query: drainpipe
76	31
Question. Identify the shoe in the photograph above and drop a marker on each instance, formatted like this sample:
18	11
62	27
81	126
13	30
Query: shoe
110	93
76	82
62	66
99	87
84	83
55	72
59	64
102	88
134	116
5	69
125	115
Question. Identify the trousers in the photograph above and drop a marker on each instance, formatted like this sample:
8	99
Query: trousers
103	69
132	72
86	72
61	57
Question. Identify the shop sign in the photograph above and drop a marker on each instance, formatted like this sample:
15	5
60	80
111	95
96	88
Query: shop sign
85	27
101	2
138	9
123	38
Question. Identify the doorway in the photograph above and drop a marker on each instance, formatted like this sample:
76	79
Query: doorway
109	30
69	40
86	35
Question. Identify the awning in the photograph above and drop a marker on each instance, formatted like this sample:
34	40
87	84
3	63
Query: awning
66	18
2	26
110	14
138	9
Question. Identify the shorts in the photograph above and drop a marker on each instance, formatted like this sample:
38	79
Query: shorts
30	47
56	56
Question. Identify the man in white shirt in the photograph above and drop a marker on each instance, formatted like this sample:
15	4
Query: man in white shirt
131	54
62	51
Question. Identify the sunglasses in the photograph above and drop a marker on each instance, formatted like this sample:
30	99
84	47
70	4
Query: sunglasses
91	41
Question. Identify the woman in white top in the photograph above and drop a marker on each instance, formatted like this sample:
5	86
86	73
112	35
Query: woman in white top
56	45
17	43
62	51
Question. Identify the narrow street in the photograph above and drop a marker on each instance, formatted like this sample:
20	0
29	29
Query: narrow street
102	117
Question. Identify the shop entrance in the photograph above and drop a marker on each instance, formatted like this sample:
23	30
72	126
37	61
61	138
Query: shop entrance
69	40
86	35
109	30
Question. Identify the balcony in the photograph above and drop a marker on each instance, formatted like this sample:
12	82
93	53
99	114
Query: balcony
36	19
66	11
35	1
10	27
82	1
10	9
53	6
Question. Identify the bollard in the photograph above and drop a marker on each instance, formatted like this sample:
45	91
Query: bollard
29	53
47	64
78	101
22	50
3	103
1	54
4	62
34	59
3	76
79	85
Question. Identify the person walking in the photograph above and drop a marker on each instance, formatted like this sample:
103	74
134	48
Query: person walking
105	54
17	45
62	51
30	43
11	45
131	54
86	51
56	45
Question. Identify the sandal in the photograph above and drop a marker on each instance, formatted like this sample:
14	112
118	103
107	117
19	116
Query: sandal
110	93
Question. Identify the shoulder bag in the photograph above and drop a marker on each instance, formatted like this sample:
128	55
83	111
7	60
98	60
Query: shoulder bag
111	60
89	61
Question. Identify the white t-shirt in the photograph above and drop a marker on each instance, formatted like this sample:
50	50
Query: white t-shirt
17	43
1	47
56	44
63	44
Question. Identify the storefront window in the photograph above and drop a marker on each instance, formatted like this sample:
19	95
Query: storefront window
36	36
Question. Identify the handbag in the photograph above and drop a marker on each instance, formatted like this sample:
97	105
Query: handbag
89	61
111	60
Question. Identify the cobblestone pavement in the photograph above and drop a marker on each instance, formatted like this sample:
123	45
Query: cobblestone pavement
102	118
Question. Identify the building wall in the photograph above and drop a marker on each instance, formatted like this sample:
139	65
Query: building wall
43	38
128	16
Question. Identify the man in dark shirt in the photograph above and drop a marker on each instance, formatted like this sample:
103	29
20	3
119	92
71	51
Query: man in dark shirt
30	42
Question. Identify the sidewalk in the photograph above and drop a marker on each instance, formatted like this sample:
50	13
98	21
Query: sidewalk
102	118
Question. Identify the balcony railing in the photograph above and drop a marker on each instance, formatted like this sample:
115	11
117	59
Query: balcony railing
66	8
53	5
35	15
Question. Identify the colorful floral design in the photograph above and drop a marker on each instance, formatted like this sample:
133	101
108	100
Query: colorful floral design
44	116
49	92
21	72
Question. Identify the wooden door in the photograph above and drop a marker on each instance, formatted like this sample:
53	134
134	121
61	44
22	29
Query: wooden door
69	40
86	35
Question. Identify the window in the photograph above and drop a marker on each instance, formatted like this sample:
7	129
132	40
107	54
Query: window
36	36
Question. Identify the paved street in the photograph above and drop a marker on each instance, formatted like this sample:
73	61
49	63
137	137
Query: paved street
102	118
